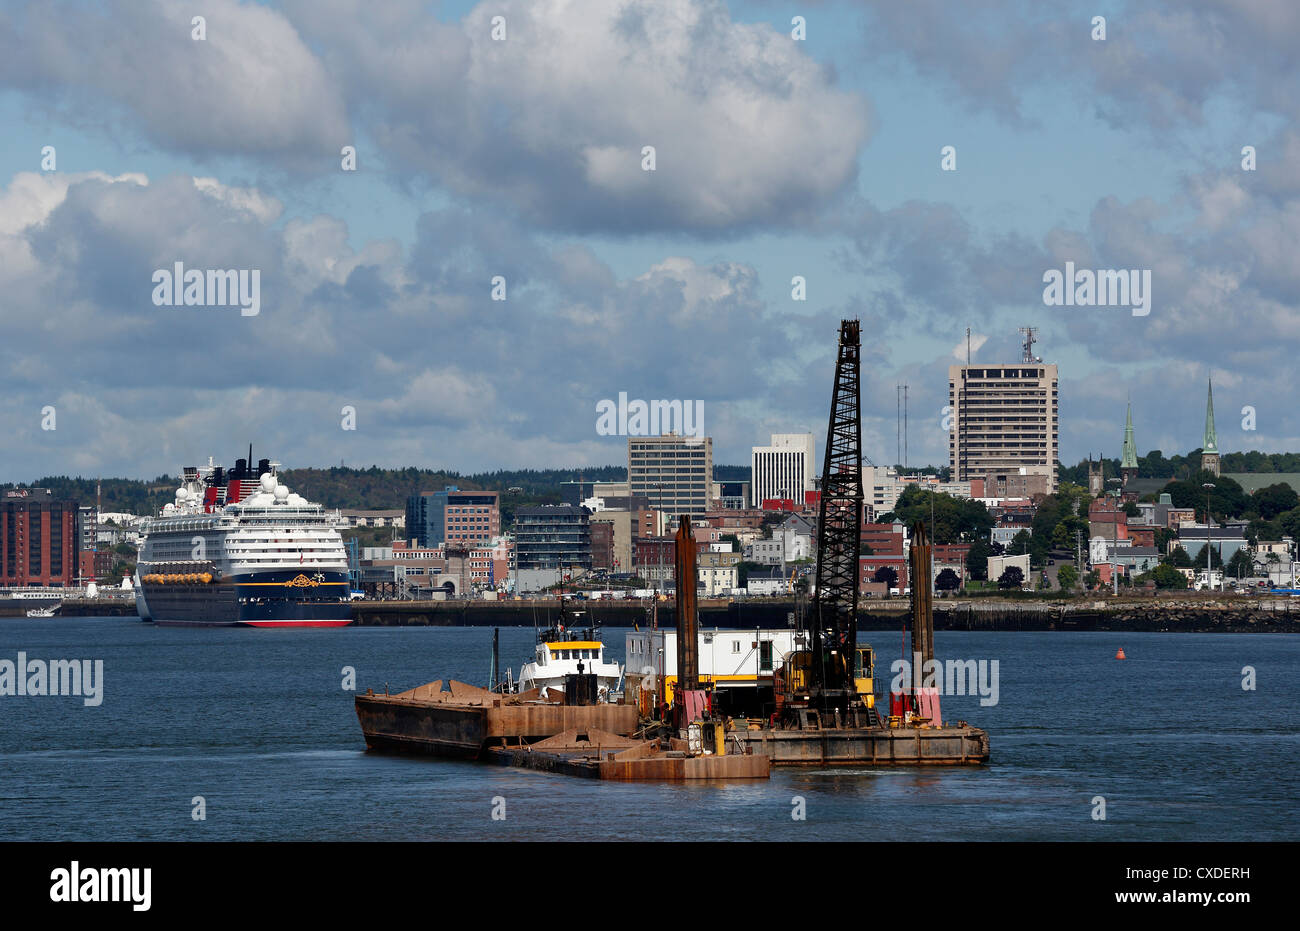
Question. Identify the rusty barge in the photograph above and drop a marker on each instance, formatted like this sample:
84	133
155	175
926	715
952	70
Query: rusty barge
596	740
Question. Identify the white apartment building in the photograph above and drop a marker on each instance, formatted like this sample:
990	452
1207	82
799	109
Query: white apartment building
785	469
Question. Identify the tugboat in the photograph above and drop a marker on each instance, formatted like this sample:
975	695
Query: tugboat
570	647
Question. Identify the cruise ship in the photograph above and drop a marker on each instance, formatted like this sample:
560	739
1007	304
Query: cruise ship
237	547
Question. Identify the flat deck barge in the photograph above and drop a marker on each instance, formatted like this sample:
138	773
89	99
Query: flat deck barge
591	741
881	746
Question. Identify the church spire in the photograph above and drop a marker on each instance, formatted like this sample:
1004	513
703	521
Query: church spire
1128	463
1129	458
1210	443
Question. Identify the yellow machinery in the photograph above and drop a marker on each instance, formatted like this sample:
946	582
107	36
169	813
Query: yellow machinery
796	673
864	675
796	670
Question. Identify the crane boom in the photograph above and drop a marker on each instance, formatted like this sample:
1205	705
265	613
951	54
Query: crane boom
839	529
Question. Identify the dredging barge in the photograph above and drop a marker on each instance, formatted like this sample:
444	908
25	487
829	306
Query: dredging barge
822	710
673	729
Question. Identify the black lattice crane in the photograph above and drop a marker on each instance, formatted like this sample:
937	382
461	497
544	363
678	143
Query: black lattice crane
839	529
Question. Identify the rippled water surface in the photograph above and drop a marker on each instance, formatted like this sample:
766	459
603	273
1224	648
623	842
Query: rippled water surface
257	723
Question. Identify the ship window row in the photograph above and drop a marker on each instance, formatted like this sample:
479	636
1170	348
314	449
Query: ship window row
574	654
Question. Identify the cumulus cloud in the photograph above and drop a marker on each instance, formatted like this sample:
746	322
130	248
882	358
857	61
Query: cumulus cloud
747	129
251	87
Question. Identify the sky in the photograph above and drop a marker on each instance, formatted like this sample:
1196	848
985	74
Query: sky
500	152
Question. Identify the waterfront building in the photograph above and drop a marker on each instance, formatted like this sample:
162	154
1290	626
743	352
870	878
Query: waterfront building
656	558
614	530
870	564
552	536
769	580
39	538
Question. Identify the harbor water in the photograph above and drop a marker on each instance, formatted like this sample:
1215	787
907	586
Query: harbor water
255	731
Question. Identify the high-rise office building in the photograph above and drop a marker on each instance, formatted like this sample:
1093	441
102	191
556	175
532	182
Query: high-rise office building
674	472
1005	420
784	469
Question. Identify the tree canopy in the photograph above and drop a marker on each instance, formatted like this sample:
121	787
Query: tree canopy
956	520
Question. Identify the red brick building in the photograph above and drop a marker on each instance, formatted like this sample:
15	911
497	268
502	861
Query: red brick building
97	565
867	566
38	539
472	518
950	554
883	539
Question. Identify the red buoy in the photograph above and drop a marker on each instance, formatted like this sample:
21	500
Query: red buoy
1120	654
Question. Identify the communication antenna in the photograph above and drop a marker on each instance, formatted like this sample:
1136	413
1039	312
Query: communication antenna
1028	333
900	425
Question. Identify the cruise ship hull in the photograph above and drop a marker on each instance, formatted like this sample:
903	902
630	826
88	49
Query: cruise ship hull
276	598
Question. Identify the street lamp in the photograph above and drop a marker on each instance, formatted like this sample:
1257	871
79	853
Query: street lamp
1209	487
